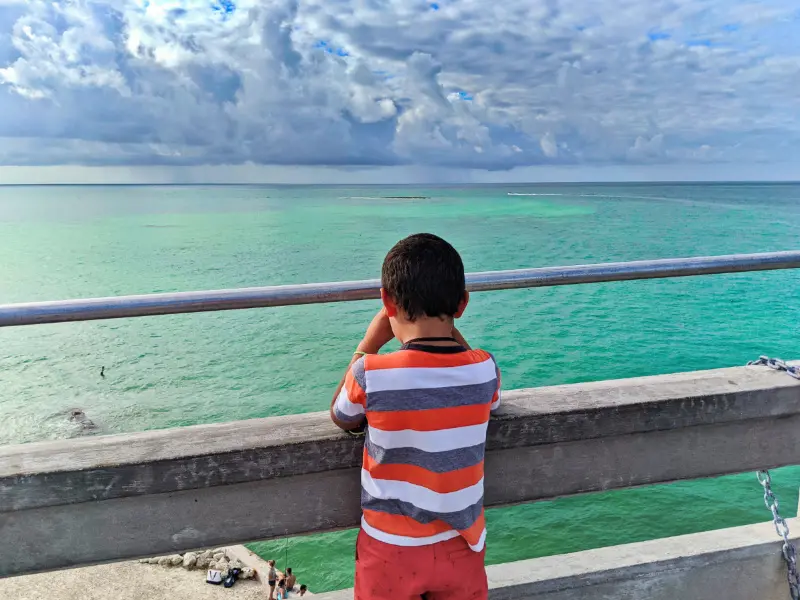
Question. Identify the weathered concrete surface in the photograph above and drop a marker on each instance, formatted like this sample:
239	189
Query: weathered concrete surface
124	581
105	467
138	526
740	563
106	498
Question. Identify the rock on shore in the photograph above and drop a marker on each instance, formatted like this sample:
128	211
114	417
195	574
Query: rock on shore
207	559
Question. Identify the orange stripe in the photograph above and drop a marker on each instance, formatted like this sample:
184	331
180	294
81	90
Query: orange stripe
429	419
442	483
416	358
473	534
402	525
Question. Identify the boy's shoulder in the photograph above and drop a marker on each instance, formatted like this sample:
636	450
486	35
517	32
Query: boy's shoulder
418	359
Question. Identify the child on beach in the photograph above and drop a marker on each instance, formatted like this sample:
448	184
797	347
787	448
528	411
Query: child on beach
426	408
272	579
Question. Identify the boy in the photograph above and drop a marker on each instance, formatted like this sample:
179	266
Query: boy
427	407
291	580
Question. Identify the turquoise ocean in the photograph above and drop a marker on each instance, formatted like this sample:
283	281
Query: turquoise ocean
59	242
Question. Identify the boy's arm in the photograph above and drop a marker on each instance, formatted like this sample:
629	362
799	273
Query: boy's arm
496	397
349	402
498	393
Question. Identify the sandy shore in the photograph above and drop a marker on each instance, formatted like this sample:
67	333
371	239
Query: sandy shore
125	581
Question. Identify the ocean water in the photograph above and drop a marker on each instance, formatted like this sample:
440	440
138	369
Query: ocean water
68	242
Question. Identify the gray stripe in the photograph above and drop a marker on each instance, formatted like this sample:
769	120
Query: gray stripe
437	462
497	371
347	418
444	397
461	520
496	366
358	373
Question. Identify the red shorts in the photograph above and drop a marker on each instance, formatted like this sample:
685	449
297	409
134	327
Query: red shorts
448	570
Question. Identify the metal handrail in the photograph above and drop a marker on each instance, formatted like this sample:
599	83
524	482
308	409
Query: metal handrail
90	309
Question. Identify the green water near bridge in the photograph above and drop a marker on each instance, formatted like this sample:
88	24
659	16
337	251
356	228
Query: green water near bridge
66	242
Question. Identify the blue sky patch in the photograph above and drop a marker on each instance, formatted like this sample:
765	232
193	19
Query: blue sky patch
224	7
465	96
705	43
434	6
731	27
654	36
328	49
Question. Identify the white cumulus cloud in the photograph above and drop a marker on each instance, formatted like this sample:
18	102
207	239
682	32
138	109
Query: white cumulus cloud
453	83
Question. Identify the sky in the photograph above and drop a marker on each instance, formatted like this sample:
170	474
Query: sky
398	90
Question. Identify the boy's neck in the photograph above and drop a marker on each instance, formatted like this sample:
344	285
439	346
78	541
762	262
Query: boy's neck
425	327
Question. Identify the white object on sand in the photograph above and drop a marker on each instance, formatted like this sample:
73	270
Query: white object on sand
214	576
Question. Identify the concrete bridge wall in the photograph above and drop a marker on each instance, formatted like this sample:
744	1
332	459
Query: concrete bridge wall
108	498
740	563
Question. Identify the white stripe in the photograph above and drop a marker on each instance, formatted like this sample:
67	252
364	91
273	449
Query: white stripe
416	378
343	405
430	441
481	541
422	497
402	540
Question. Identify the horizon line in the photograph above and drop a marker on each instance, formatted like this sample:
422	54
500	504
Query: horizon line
448	184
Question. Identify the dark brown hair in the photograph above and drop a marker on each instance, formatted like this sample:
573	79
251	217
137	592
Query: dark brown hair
424	276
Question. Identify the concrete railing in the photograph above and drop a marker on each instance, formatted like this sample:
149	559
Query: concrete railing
738	563
107	498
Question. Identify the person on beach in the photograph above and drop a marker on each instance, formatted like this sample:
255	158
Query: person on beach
291	580
282	593
272	579
303	589
426	408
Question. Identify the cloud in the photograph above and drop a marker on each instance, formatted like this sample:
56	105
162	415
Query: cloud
458	84
548	144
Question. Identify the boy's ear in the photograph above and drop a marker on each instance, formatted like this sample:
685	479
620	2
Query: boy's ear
462	306
388	304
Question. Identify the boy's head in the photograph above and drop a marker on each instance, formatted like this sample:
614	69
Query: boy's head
288	570
303	589
423	277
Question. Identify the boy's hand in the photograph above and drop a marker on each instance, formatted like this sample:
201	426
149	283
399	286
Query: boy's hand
379	333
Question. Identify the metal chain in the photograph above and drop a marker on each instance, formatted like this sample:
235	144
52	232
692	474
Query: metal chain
782	528
777	364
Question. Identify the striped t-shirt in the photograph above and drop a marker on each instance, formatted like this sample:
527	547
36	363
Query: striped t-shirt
427	408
